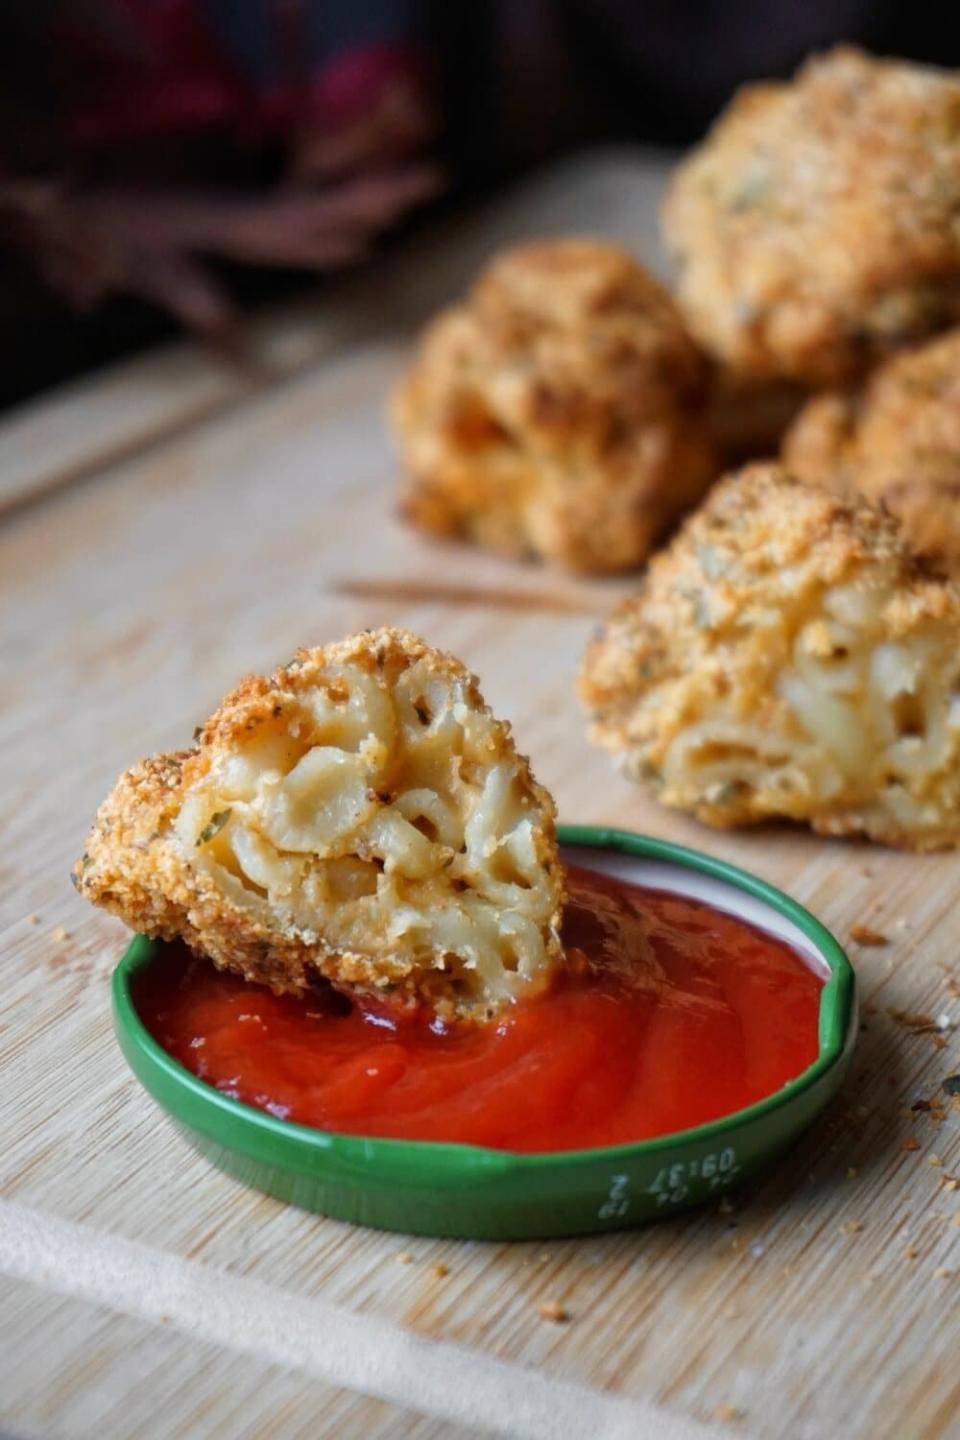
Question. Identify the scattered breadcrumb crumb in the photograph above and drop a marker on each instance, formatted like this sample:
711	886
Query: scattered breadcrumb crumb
728	1414
852	1227
939	1043
911	1252
920	1024
404	1258
934	1160
554	1312
956	1220
33	919
911	1143
950	1183
440	1270
942	1273
864	935
59	933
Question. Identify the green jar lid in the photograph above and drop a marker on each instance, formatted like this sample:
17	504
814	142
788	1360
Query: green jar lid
430	1188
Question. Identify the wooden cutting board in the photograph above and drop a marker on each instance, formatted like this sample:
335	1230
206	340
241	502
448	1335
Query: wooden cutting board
169	525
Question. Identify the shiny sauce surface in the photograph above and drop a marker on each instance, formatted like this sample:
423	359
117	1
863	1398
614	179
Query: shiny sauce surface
670	1013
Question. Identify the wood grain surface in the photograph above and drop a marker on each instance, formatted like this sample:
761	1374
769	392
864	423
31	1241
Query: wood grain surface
141	1293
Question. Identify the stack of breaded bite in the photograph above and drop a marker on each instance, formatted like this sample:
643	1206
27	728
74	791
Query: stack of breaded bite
795	651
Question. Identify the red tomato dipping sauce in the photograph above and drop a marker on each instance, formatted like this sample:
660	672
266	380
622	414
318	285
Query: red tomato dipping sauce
671	1013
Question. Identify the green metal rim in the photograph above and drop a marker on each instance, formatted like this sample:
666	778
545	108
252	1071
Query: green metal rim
281	1142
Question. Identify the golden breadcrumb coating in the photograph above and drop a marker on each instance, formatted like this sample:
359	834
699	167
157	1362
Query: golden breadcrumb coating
359	815
816	226
788	656
558	412
897	441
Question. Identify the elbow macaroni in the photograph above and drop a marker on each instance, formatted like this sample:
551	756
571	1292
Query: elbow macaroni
365	814
818	679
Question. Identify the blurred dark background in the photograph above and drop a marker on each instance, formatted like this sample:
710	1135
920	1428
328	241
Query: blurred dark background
170	163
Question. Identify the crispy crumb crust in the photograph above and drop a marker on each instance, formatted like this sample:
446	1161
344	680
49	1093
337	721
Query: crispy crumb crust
716	626
896	441
558	412
815	227
136	866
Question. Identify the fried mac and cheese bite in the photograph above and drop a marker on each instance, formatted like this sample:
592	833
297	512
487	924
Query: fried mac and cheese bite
559	412
815	228
360	815
788	656
897	441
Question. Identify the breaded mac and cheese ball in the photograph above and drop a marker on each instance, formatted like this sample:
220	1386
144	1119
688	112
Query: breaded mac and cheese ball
788	656
359	815
815	229
558	412
897	441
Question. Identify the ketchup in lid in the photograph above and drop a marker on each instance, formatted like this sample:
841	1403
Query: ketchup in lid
669	1013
